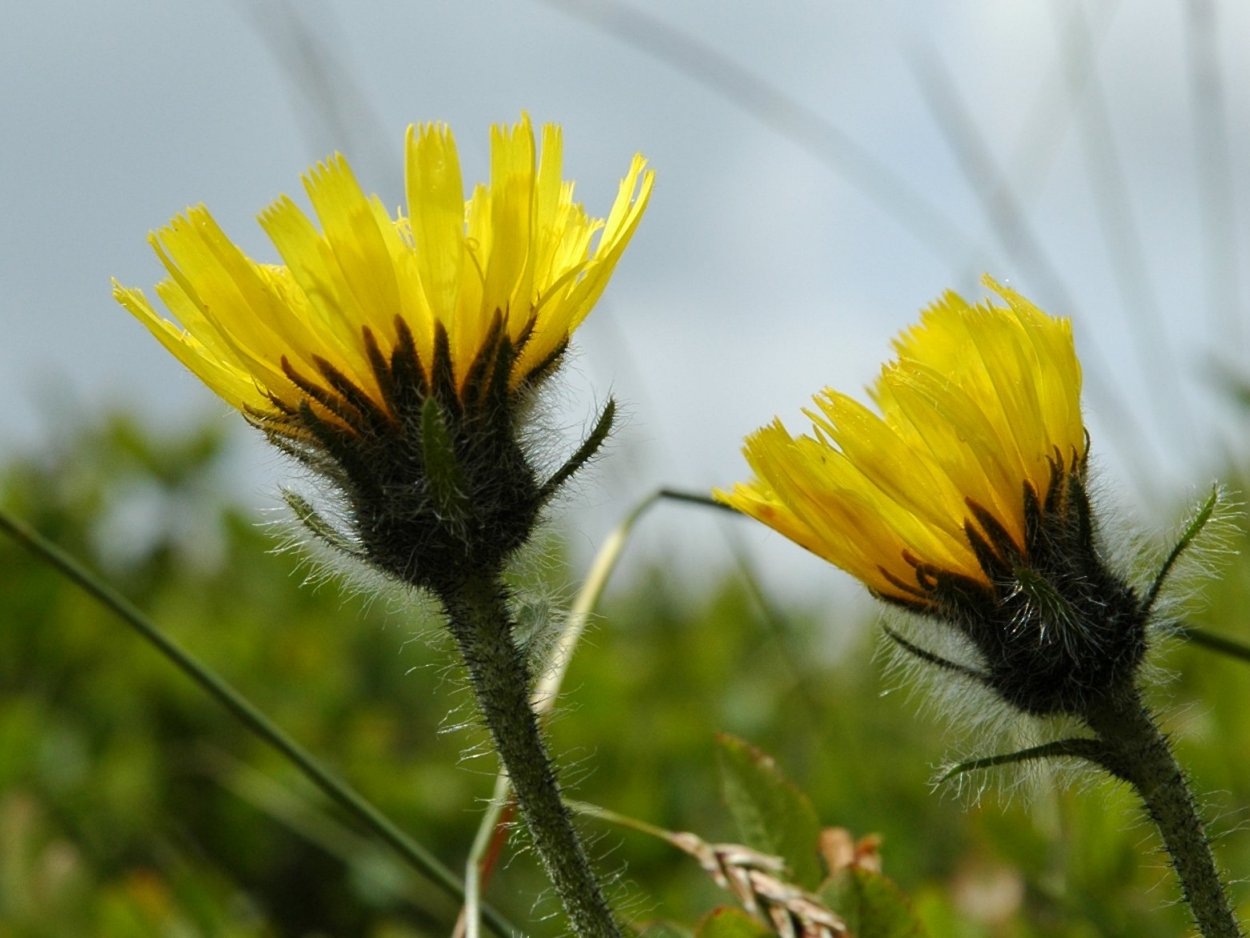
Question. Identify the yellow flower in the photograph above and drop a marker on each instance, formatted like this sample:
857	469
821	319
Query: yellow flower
447	286
952	483
393	355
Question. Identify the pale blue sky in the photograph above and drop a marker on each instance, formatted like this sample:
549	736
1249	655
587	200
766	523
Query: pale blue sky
779	254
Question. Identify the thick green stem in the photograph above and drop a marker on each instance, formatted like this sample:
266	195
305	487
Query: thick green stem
482	625
1138	753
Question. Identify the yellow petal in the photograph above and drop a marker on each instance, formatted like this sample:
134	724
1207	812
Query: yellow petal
978	404
519	247
436	212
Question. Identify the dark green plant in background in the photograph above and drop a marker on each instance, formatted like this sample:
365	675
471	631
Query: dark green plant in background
132	804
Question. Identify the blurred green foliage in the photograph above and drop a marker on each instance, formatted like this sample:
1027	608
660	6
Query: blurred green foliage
130	804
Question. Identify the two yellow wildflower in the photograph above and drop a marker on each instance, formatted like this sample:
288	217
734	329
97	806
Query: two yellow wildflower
963	497
393	355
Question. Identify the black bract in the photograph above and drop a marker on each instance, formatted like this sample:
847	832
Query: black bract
1056	630
437	485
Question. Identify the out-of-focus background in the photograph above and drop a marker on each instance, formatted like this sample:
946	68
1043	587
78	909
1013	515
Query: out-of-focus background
824	171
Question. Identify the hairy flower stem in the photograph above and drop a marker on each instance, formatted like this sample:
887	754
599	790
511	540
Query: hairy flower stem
1137	752
482	625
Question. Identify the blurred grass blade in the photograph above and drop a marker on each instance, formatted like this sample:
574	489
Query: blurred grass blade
809	129
338	791
1216	643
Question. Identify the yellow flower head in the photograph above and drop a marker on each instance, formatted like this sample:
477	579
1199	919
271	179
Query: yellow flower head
979	419
518	263
392	354
963	498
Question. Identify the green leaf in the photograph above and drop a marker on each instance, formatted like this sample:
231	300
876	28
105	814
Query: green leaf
585	452
772	815
872	905
442	469
318	525
1076	747
1188	536
729	922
